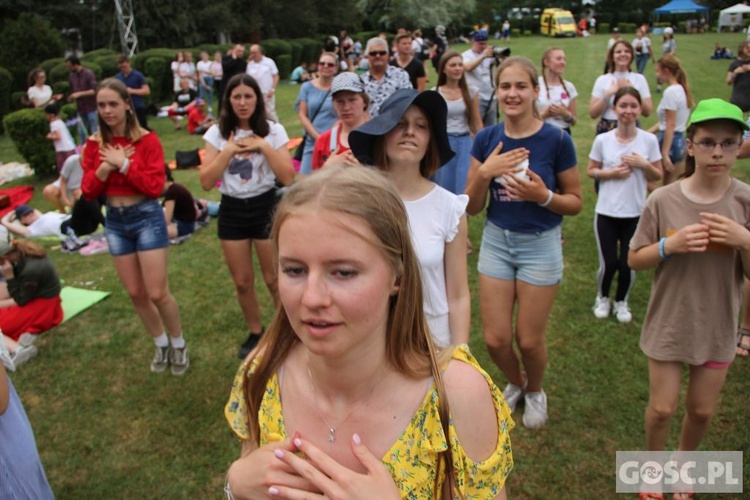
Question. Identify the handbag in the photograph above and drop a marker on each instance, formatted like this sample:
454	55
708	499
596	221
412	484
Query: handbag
300	151
187	159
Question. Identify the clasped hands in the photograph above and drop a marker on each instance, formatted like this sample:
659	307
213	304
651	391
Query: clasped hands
245	145
713	228
113	156
499	164
296	469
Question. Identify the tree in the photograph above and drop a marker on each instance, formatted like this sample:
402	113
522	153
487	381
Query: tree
393	14
26	41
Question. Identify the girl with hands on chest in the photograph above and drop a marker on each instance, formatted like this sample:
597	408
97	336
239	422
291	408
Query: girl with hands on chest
523	171
624	161
347	379
695	232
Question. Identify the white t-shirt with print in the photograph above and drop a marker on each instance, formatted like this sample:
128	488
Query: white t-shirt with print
555	94
674	99
623	198
605	81
248	175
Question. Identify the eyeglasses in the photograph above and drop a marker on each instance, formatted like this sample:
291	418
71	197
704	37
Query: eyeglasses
377	53
709	145
327	64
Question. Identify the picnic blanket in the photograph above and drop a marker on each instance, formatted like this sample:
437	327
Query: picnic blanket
77	300
18	196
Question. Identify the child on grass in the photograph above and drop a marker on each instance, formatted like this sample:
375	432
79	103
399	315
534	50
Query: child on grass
695	232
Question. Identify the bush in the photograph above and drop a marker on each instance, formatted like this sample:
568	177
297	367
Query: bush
51	63
515	32
6	84
681	27
273	48
108	64
94	54
61	88
18	100
139	61
27	129
60	73
627	27
68	111
296	52
26	40
284	63
602	28
158	70
311	49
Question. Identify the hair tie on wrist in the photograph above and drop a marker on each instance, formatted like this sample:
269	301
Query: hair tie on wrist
548	200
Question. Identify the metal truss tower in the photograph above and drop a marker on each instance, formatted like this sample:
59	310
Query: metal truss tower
126	25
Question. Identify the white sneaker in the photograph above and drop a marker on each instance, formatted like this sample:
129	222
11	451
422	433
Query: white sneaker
23	354
5	357
601	307
27	339
622	311
513	394
535	413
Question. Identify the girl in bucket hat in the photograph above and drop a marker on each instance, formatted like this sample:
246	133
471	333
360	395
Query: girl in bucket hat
409	142
695	233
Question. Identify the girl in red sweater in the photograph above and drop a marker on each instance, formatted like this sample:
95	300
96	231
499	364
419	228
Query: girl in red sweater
126	163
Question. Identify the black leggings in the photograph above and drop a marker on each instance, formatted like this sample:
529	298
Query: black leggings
609	232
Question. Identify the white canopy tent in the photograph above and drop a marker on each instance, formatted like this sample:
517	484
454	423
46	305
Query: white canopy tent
732	16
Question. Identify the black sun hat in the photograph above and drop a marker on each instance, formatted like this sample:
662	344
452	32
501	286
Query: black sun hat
362	139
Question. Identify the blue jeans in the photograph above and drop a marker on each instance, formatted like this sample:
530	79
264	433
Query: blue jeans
137	228
88	123
640	62
207	94
452	175
488	111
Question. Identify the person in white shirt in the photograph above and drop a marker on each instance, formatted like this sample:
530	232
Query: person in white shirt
38	93
60	136
673	112
624	161
643	50
263	69
478	63
558	98
206	81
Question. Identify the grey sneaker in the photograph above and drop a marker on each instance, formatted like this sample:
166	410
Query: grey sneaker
179	360
161	359
512	394
22	355
5	358
535	413
27	339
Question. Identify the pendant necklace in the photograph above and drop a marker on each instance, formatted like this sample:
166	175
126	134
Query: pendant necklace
332	428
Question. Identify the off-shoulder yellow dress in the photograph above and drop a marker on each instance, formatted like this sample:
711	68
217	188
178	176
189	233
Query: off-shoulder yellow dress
413	458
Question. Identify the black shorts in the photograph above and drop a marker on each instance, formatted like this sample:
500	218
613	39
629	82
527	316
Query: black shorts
247	218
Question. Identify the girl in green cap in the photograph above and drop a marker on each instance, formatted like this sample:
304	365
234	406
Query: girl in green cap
695	232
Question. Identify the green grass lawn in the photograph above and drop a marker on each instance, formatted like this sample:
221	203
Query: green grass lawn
108	428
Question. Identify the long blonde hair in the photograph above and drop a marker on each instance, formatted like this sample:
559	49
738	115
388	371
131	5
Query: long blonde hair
672	64
365	194
546	56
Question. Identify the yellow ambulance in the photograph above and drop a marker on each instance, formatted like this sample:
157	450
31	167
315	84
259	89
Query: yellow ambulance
557	22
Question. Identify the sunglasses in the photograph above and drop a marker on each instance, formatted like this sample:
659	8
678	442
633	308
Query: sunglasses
327	64
377	53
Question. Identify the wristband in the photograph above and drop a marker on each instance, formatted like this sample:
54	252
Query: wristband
125	165
596	174
549	199
662	252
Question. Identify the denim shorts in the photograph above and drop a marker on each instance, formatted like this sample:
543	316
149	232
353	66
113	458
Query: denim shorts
679	146
534	258
137	228
184	228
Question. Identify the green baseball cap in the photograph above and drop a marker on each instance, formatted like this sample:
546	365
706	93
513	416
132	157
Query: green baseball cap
717	109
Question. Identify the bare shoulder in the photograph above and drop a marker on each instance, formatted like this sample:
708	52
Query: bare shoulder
472	409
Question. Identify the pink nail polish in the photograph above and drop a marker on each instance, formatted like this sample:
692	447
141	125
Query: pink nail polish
273	491
278	453
357	440
297	442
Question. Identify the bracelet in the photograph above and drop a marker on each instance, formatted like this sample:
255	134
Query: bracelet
549	199
125	165
596	175
662	252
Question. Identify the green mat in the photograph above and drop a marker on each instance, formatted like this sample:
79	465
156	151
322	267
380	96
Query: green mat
75	300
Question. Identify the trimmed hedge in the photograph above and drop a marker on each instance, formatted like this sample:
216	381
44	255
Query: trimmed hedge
28	129
627	27
158	70
273	48
60	73
61	88
17	100
602	28
6	84
311	49
108	64
284	64
68	111
95	54
51	63
296	52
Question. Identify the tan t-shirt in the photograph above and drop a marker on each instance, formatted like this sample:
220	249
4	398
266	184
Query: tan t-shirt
695	299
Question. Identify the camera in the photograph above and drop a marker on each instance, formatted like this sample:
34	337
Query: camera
501	52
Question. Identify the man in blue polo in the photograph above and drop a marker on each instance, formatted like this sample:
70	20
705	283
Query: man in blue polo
137	88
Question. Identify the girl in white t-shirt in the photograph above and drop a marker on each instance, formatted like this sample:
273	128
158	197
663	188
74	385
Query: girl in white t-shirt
619	59
248	154
623	160
557	101
408	141
38	93
673	111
